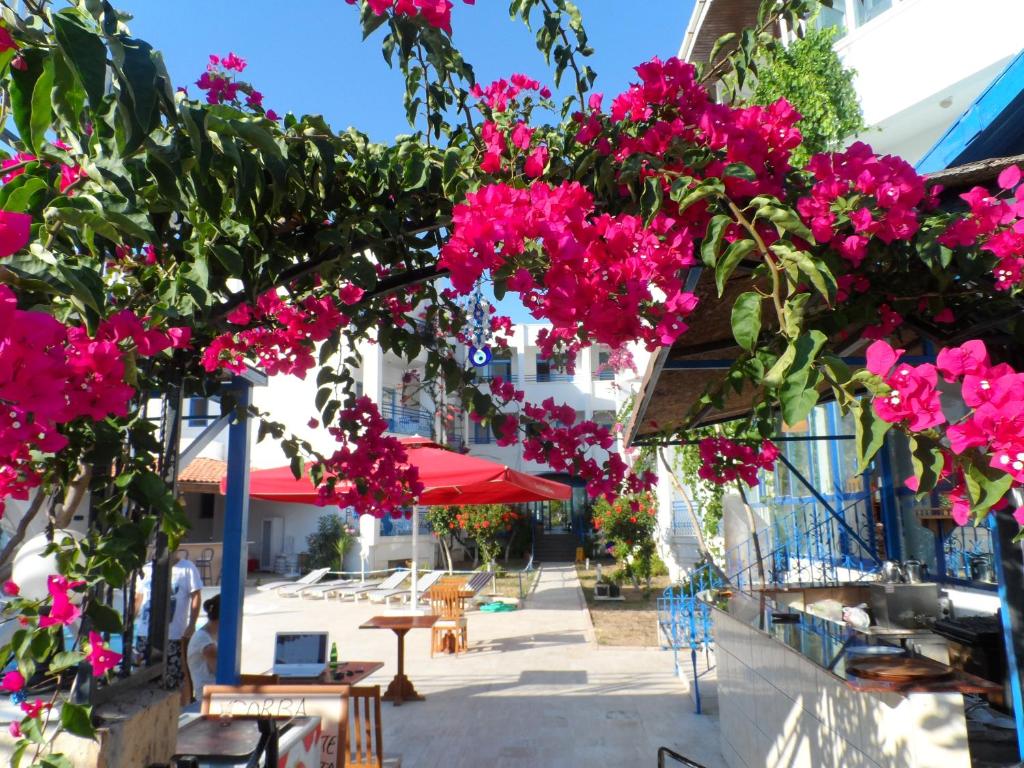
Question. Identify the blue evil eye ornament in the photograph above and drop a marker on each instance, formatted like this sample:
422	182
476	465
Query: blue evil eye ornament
18	698
479	356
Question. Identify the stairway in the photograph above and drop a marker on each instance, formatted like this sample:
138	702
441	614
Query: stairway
555	548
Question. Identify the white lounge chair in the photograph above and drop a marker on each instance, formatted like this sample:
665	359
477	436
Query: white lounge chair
326	588
310	578
300	590
425	582
391	582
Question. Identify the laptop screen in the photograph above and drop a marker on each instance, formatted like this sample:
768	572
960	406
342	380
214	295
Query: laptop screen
301	648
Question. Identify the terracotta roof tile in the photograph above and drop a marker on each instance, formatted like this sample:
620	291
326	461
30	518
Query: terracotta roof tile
203	471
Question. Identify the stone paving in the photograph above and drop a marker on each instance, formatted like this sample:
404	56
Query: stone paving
533	690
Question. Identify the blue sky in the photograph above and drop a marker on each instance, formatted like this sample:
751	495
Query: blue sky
310	58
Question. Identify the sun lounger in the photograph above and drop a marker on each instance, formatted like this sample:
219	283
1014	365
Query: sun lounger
478	581
425	582
299	590
310	578
355	591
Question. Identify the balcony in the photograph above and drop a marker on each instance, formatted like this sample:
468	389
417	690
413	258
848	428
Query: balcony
407	421
682	523
544	378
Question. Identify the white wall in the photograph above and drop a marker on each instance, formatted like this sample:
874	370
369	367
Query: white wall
921	63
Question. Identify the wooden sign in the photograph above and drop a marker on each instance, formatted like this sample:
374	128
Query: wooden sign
328	702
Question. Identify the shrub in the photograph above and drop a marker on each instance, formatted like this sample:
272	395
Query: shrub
327	546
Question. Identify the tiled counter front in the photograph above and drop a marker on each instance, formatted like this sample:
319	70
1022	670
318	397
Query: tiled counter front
778	709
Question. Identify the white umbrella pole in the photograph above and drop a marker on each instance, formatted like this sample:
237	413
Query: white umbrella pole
413	597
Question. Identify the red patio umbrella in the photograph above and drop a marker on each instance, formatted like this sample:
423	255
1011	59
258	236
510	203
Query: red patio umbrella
448	478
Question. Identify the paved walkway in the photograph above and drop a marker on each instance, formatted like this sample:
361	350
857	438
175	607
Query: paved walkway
534	689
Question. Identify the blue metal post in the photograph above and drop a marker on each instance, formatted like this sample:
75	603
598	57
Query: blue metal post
236	522
1009	562
890	507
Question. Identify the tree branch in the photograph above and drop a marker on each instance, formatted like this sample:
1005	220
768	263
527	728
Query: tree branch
19	533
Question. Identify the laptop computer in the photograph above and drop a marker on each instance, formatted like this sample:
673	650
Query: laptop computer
300	654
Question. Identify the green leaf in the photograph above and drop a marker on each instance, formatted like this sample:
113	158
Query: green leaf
77	719
104	618
734	254
746	319
775	374
712	244
786	220
64	660
798	394
926	457
869	433
42	107
986	486
651	198
86	52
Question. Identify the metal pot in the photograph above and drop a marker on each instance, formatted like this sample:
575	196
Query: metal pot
914	571
982	570
892	573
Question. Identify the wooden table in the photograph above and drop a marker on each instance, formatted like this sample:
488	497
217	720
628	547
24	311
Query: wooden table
349	673
400	689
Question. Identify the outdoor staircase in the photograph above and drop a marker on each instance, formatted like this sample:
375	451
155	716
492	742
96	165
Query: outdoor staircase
799	548
555	548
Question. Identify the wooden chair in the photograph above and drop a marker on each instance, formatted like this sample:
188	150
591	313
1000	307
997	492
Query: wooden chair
447	603
364	742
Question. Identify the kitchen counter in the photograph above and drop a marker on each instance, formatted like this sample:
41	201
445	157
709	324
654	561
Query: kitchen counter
785	698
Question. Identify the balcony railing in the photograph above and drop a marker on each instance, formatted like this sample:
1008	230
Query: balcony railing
607	375
682	523
407	421
401	527
543	378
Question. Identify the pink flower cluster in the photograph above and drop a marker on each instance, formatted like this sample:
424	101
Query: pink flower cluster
496	150
69	174
556	439
371	467
437	13
282	336
498	95
604	269
221	87
891	199
913	398
52	374
724	460
996	224
100	656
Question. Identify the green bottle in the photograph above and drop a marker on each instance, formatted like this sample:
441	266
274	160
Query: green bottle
334	657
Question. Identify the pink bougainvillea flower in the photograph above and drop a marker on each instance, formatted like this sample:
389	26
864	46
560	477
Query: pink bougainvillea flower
12	682
351	294
536	163
18	159
62	610
913	396
34	708
14	729
10	588
181	337
15	230
521	135
69	174
7	43
101	657
954	363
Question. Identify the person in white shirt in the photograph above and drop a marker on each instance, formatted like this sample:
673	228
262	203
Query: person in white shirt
186	584
202	649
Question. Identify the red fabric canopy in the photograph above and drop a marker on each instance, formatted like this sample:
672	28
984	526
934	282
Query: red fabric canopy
448	478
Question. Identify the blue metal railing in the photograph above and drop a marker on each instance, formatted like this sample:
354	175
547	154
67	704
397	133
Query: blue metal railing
543	378
608	375
406	421
682	523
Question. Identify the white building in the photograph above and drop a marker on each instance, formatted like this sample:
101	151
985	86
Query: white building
278	532
919	63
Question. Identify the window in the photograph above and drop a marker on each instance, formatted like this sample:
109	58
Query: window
481	433
207	502
866	10
198	411
543	369
500	365
602	369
